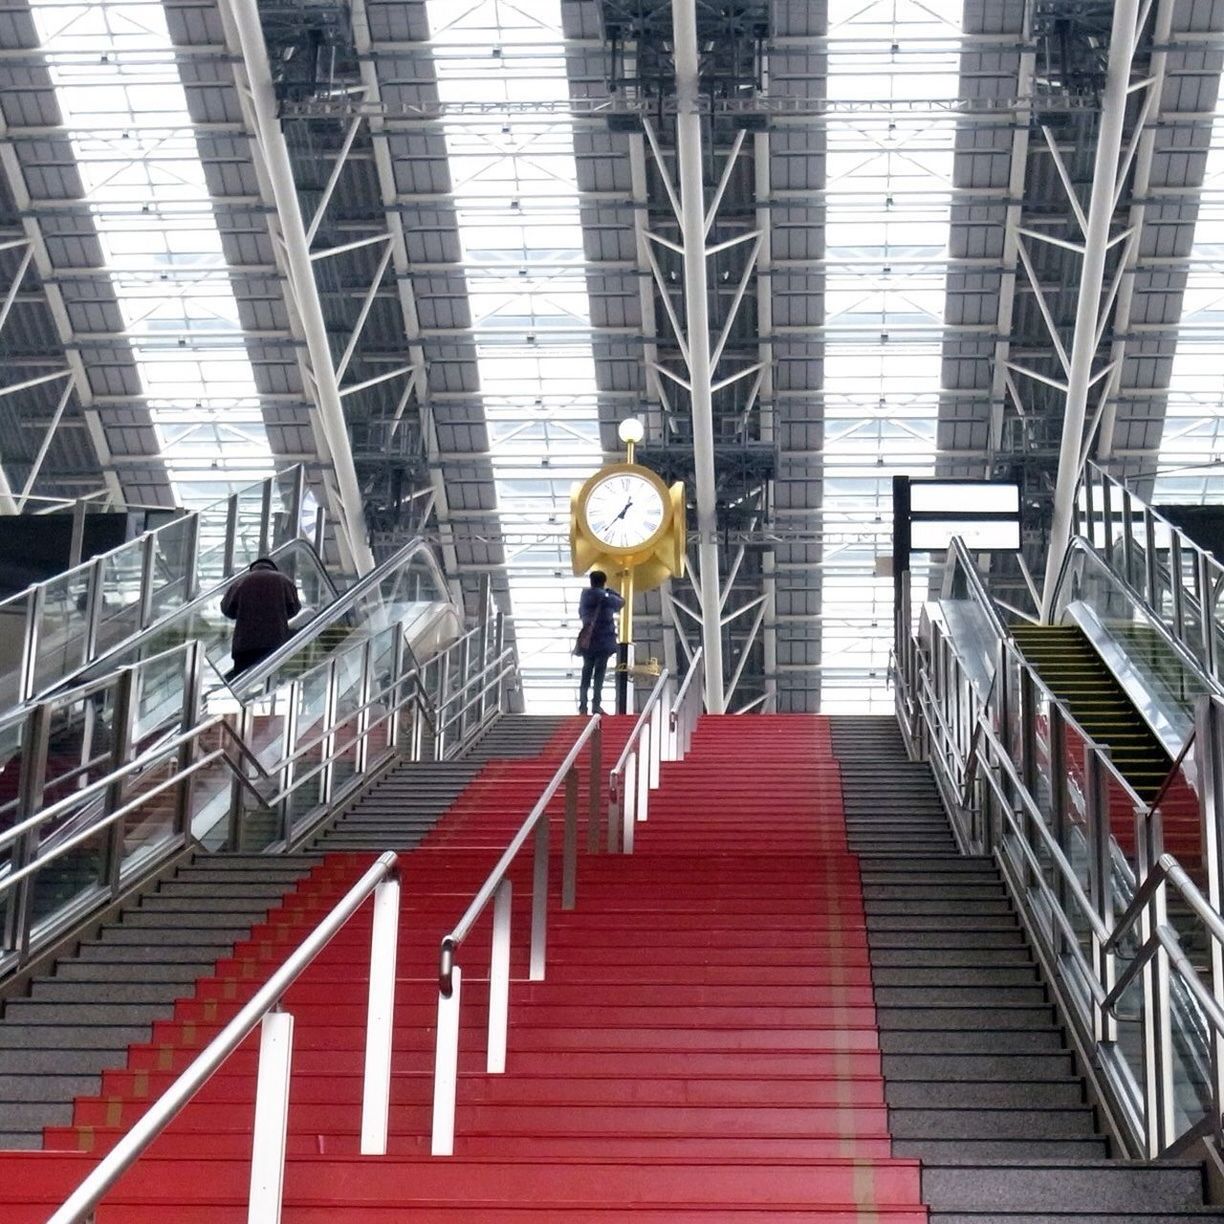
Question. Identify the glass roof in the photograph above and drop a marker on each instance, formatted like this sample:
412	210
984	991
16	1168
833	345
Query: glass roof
888	193
1190	466
516	201
118	88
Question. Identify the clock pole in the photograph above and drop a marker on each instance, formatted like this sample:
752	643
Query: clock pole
626	638
630	433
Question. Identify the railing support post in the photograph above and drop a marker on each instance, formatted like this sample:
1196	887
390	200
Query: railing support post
499	980
192	673
629	797
446	1069
1209	779
656	742
123	716
1100	885
539	902
271	1118
594	795
20	910
645	759
380	1018
569	849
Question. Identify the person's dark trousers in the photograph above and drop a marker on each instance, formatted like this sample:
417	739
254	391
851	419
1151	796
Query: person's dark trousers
244	660
593	669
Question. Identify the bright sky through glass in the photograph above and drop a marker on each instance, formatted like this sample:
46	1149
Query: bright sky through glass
1190	465
118	87
516	203
888	197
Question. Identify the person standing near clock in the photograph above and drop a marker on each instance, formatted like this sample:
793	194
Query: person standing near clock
597	610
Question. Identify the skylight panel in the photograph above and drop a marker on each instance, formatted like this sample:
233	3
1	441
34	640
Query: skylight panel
887	220
143	180
514	182
1190	464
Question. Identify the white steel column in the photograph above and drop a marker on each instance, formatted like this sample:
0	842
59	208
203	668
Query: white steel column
301	274
692	230
1085	343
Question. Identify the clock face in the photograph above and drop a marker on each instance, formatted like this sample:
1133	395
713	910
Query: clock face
624	510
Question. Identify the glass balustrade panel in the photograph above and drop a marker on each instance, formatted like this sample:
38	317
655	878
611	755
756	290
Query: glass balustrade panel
66	881
173	568
149	828
249	542
60	646
350	693
309	772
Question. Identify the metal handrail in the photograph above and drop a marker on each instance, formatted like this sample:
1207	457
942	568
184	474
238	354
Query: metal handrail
1081	547
644	717
964	560
1184	540
497	889
1042	877
685	684
262	671
452	941
130	545
637	771
85	690
265	1001
504	661
107	660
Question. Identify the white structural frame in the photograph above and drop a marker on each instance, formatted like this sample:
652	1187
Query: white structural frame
1112	166
321	373
686	195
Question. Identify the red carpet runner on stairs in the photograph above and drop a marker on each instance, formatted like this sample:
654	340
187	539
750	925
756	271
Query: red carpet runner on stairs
704	1047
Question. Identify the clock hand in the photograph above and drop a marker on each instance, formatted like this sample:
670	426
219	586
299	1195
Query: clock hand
625	511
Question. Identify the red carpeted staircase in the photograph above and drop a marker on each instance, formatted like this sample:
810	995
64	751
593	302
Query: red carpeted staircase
704	1046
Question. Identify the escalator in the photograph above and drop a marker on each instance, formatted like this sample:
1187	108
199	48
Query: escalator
283	712
1065	659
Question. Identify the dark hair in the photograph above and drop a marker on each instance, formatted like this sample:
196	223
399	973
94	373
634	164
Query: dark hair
263	563
598	578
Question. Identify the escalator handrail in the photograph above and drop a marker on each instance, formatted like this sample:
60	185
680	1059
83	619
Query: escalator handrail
1185	542
1079	546
255	676
82	692
211	595
24	594
960	553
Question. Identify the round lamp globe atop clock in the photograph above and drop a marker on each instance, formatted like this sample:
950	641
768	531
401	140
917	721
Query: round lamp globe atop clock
631	430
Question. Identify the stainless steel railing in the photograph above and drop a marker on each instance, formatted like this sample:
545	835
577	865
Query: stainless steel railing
663	732
1180	582
1084	857
265	1011
58	623
685	709
636	772
497	890
133	807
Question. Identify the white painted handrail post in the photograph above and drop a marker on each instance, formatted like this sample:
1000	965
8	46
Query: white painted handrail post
569	846
380	1018
629	794
645	760
656	743
271	1118
539	902
499	980
446	1069
616	799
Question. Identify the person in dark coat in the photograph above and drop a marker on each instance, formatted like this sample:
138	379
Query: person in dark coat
597	608
261	604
